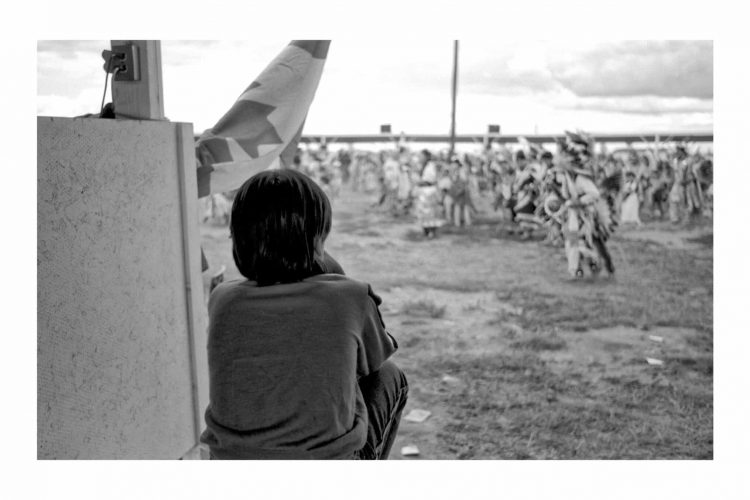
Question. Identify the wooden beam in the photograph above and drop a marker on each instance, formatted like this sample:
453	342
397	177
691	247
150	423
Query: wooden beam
141	99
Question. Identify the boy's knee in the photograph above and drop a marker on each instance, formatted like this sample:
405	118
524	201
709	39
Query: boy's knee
392	375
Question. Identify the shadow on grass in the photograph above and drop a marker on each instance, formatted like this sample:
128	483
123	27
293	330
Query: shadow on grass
706	240
423	308
541	344
478	232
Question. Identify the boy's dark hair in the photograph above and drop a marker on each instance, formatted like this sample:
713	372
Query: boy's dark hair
278	219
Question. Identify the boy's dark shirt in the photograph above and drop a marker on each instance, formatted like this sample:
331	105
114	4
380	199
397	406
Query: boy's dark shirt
284	361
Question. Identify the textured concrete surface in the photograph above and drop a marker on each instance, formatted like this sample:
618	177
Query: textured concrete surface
114	360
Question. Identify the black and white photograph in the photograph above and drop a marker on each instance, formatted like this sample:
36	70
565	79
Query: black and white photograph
264	250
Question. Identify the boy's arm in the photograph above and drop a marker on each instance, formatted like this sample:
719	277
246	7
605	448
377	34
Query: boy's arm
375	344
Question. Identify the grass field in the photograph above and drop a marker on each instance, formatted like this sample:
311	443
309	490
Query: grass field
516	361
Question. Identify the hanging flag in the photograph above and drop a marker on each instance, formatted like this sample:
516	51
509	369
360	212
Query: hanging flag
261	130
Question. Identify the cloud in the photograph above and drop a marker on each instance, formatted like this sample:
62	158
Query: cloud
634	105
514	69
615	69
500	80
69	49
70	69
234	52
639	68
88	101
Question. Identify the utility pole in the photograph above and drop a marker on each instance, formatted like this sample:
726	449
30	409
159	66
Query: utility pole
137	92
453	97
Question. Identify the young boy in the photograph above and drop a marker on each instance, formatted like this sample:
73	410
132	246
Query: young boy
298	357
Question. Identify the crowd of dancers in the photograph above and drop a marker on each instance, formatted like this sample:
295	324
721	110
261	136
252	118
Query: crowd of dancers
573	195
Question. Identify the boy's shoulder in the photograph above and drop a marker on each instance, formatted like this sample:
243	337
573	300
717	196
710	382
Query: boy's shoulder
339	282
226	290
338	285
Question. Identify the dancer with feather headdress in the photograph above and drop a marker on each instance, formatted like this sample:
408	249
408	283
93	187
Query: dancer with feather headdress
587	221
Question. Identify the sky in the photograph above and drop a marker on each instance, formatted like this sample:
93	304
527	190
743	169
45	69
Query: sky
525	87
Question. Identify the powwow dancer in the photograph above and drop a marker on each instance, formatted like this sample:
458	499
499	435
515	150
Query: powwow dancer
677	193
445	183
587	221
528	188
659	192
693	191
549	199
403	193
704	175
461	196
504	191
525	207
550	204
429	208
389	182
631	203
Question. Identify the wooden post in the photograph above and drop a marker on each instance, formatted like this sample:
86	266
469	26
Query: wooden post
453	98
142	99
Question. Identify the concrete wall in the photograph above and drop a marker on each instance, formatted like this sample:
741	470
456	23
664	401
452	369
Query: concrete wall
121	322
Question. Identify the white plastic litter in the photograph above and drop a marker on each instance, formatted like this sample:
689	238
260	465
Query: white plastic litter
656	338
410	451
654	361
417	416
